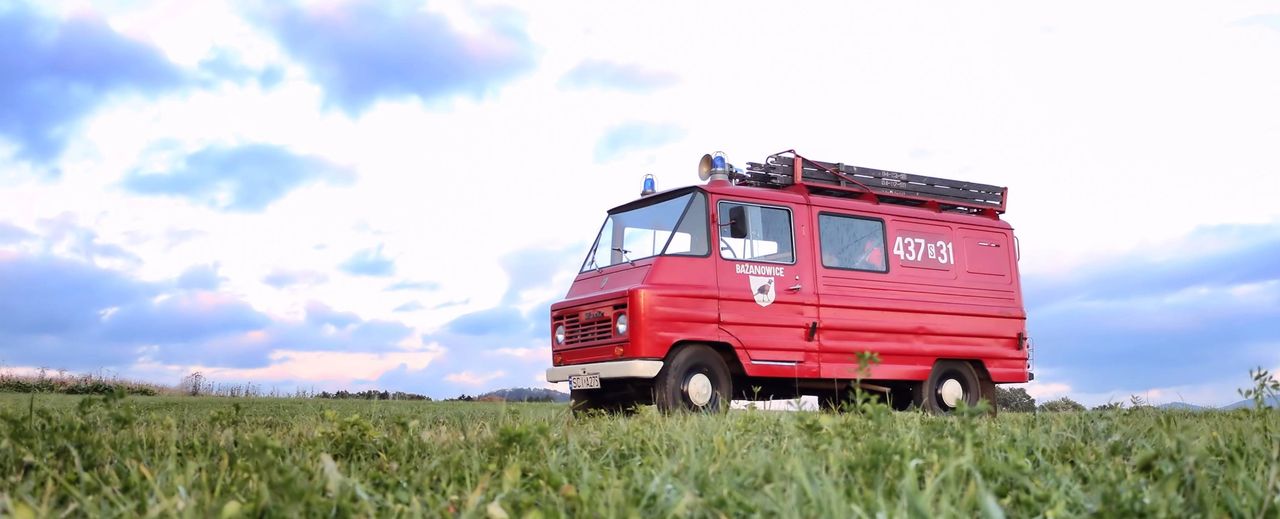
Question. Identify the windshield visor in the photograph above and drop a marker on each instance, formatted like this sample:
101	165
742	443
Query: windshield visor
676	226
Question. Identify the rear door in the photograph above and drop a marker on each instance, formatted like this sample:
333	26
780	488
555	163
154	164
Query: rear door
768	299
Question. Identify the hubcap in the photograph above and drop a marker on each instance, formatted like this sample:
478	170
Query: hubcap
699	389
951	392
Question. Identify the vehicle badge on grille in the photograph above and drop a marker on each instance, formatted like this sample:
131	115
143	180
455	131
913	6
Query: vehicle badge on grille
604	281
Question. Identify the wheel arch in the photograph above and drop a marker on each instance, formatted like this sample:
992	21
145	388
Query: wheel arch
726	351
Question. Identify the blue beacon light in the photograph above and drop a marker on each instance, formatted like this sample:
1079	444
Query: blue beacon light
717	162
649	187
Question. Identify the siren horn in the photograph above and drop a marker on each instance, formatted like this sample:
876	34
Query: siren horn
704	167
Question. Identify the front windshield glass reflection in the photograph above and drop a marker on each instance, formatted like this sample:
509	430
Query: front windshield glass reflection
648	231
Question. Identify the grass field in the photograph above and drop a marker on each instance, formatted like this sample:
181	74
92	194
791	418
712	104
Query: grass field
209	457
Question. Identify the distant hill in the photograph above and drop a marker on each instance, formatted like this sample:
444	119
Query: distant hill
1181	406
525	394
1248	404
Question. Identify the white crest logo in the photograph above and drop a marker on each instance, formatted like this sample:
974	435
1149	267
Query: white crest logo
762	289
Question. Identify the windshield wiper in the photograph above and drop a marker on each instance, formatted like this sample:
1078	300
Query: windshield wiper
624	255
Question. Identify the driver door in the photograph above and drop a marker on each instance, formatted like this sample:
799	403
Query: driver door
768	300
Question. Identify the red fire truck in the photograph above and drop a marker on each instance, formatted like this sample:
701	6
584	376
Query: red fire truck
769	283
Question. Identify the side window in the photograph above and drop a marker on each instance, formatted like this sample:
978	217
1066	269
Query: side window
755	233
852	243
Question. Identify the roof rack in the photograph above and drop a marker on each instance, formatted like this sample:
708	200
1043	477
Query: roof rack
876	185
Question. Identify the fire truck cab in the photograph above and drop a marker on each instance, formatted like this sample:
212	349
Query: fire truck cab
771	282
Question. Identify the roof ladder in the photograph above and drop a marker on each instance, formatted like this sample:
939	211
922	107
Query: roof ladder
878	185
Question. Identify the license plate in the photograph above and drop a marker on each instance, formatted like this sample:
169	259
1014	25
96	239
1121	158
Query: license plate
584	381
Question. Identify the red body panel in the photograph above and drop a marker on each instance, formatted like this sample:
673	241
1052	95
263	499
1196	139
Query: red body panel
961	300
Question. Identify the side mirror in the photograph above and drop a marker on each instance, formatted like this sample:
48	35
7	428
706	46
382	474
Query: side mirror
738	222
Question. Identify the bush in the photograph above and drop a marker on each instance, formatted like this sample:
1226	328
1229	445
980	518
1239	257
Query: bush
1014	400
1061	405
371	394
43	381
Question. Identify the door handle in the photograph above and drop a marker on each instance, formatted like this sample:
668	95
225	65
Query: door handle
795	287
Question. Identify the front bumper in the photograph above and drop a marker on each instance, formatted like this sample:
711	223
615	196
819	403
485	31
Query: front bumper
614	369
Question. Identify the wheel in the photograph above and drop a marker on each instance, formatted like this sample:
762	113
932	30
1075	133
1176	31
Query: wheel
988	392
696	379
949	383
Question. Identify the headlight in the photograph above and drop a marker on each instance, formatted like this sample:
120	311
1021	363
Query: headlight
622	324
560	334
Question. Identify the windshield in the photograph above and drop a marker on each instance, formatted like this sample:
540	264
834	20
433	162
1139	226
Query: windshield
677	226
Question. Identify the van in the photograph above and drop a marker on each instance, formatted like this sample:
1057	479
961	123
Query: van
796	277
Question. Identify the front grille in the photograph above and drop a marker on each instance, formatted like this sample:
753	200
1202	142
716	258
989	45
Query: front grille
576	332
580	331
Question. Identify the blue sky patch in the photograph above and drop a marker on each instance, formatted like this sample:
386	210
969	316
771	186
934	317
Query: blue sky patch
635	136
365	51
369	262
54	72
618	76
245	178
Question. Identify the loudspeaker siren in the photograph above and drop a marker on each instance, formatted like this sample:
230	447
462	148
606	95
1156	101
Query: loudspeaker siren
704	168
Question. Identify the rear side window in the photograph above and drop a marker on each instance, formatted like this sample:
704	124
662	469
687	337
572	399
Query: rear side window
755	233
852	243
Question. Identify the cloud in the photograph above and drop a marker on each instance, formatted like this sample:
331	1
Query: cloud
55	72
226	65
494	321
72	314
413	285
183	319
1208	311
534	354
332	368
635	136
534	268
10	233
286	278
1270	21
503	346
245	178
607	74
64	235
50	296
1210	256
411	306
200	277
449	304
1045	391
320	313
364	51
473	379
369	262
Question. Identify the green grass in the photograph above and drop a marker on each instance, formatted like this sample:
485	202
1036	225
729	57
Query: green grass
209	457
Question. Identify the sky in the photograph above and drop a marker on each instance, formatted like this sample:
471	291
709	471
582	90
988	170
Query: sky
353	195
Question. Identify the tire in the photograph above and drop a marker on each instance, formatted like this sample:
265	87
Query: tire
695	380
949	383
988	392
